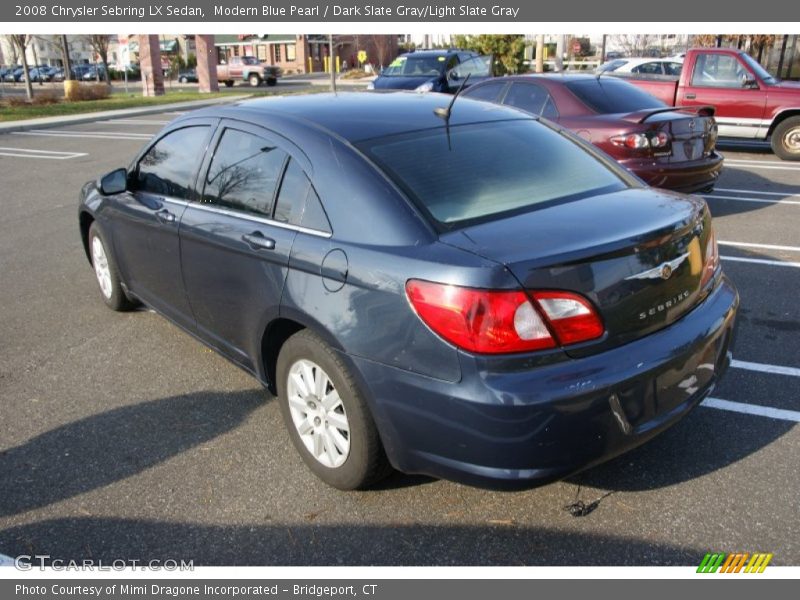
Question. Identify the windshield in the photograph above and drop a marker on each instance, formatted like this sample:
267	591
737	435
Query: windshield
759	71
485	170
605	95
415	66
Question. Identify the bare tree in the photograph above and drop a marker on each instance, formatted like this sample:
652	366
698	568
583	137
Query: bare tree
20	42
99	44
381	45
635	44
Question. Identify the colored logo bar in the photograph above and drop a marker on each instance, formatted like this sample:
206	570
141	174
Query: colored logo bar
734	563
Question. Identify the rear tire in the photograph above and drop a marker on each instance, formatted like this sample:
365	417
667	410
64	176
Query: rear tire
785	139
327	417
272	82
228	83
106	271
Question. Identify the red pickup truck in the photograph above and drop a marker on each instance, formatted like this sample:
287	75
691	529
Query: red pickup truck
750	103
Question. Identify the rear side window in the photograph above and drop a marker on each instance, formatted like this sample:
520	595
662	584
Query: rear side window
606	95
529	97
169	166
485	170
673	68
244	173
298	203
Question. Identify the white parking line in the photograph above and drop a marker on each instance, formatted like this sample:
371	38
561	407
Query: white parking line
761	261
763	246
137	122
760	164
758	200
93	135
757	192
765	368
752	409
51	154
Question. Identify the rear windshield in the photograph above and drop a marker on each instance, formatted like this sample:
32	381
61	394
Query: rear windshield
485	170
609	96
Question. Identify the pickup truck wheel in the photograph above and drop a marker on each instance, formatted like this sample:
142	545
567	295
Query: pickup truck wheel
183	80
106	272
228	83
786	139
328	419
272	82
254	80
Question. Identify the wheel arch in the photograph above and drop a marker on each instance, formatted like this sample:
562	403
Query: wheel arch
86	219
781	117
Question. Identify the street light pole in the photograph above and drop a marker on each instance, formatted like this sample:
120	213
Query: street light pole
331	61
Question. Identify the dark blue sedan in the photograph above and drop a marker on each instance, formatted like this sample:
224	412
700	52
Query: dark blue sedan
434	71
471	294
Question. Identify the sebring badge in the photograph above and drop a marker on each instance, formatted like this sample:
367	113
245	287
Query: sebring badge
662	271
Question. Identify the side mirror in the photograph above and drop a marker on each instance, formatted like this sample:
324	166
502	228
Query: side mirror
115	182
748	81
453	75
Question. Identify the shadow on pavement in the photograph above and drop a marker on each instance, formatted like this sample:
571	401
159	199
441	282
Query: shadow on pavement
84	455
110	539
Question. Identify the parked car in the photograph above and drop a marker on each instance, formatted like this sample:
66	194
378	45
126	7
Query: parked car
247	69
80	69
664	146
614	54
471	294
642	66
15	75
750	103
93	73
433	71
188	75
41	74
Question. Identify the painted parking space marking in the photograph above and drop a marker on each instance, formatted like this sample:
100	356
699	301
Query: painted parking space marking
761	164
761	261
765	368
752	409
757	192
137	122
761	246
757	200
92	135
49	154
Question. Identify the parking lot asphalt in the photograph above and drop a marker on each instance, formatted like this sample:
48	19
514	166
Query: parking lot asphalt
122	437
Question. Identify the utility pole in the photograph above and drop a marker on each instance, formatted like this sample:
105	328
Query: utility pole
65	55
332	62
540	53
603	50
560	53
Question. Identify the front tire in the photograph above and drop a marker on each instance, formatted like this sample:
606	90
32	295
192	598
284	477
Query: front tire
106	271
785	139
183	80
254	80
328	419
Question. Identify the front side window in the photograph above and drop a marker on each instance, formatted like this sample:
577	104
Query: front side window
651	68
718	70
244	173
169	166
486	170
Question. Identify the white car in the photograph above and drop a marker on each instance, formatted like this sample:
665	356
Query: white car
642	66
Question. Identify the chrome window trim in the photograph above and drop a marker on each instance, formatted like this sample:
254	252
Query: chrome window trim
255	219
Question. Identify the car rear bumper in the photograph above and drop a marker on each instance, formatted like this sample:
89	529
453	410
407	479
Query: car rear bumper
522	428
688	177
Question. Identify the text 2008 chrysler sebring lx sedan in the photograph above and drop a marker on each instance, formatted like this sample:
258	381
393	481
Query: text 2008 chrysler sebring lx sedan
470	294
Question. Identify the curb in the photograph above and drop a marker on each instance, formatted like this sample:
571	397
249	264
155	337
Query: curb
106	115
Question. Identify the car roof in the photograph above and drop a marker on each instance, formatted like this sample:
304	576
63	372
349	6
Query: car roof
357	116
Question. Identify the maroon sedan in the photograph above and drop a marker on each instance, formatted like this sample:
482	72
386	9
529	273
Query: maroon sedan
667	147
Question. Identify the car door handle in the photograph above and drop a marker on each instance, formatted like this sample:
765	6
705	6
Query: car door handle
165	216
258	242
690	96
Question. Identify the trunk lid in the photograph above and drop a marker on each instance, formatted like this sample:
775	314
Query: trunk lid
693	134
618	264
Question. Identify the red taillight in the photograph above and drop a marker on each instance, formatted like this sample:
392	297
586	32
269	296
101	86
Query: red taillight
642	141
499	321
710	260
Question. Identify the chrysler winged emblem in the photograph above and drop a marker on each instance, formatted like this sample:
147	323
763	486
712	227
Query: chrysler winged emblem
662	271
